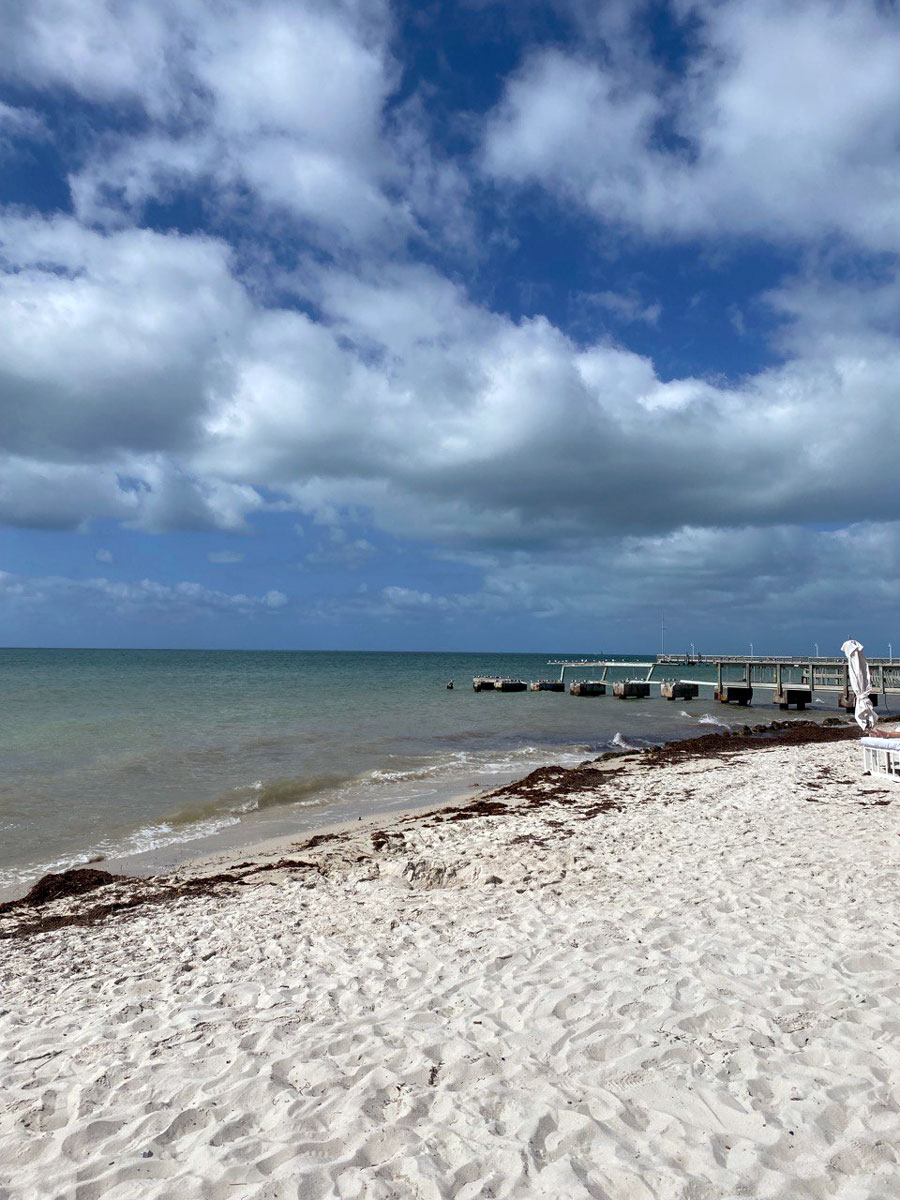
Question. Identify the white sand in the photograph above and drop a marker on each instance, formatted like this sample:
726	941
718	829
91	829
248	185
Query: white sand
695	996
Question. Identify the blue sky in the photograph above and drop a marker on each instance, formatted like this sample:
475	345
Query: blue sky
481	325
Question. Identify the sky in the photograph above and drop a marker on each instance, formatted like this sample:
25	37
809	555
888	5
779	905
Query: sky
474	325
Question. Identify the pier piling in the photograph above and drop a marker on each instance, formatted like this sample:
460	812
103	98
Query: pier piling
484	683
800	696
631	689
848	699
678	689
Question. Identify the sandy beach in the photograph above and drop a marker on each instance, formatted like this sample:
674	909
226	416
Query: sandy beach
669	975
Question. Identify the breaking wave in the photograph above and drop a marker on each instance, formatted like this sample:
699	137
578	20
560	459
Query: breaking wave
709	719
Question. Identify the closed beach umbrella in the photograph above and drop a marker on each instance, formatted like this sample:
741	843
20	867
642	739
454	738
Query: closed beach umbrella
860	682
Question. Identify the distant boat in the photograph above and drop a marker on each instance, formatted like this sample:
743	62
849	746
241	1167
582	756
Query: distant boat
449	685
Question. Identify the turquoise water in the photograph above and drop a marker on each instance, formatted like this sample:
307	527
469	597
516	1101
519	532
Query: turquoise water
116	753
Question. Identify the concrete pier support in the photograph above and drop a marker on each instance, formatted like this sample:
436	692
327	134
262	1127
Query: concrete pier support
548	685
678	689
799	695
631	689
848	699
484	683
587	687
735	693
510	685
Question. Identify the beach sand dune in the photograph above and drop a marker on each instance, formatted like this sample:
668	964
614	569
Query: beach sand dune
672	980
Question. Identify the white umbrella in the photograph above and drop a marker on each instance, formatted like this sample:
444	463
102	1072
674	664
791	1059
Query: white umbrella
861	683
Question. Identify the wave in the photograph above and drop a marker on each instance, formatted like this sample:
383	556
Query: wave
418	770
143	840
261	795
622	743
502	762
709	719
190	823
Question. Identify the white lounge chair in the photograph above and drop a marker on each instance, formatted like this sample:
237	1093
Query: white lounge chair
881	756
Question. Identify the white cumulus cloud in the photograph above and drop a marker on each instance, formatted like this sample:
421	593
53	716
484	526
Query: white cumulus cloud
784	126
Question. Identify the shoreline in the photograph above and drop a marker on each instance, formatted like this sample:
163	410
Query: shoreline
669	974
192	874
241	838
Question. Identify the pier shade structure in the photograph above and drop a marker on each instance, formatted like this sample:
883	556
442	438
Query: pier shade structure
789	681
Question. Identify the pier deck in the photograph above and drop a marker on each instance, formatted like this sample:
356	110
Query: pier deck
792	680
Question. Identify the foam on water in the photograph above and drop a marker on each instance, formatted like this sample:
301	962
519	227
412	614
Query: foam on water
709	719
622	743
142	841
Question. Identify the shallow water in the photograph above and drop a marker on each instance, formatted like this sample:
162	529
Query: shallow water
114	753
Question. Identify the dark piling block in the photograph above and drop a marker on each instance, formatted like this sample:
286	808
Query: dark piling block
677	689
631	689
735	693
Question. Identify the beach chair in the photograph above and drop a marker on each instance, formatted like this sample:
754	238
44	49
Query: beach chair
881	756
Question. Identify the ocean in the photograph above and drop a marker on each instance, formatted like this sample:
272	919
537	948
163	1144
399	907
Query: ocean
155	756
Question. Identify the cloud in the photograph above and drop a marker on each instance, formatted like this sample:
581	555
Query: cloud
143	382
279	101
113	346
145	598
60	495
490	458
712	582
711	585
320	351
626	306
224	556
20	123
110	341
342	550
104	556
170	497
106	52
784	126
